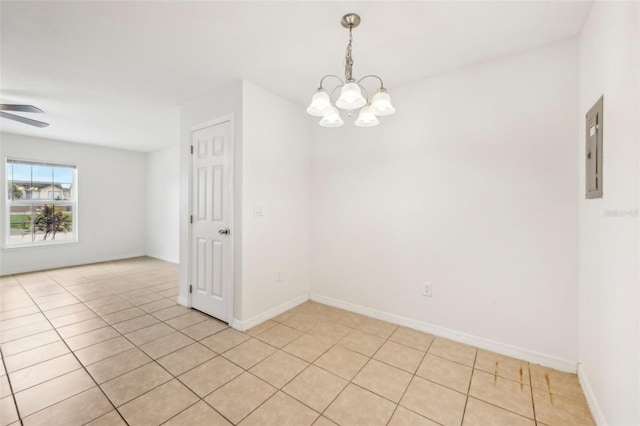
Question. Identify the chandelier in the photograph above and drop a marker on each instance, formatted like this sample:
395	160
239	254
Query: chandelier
351	97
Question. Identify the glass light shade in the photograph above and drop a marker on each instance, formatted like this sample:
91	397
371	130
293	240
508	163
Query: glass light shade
366	118
332	118
350	97
320	104
381	104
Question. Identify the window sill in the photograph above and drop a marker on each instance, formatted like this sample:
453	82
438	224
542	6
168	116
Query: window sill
39	244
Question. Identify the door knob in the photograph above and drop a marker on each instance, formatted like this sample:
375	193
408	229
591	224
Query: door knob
224	231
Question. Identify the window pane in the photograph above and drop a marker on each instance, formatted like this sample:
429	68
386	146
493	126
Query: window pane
42	174
21	172
46	222
41	182
63	174
65	213
18	180
16	191
63	183
19	223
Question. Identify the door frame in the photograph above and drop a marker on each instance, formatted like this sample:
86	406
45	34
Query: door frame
232	190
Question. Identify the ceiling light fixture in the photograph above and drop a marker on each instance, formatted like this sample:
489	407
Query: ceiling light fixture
351	97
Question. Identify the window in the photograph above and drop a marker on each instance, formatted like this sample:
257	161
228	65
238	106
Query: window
41	203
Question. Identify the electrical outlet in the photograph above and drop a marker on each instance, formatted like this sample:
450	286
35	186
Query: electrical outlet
426	289
279	275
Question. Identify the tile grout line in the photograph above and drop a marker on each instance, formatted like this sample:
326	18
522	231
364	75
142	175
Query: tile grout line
125	337
466	400
382	362
196	366
277	389
13	395
153	361
533	402
42	362
372	357
244	371
20	316
294	377
74	355
411	381
188	407
350	381
18	338
281	389
202	399
263	402
337	343
473	368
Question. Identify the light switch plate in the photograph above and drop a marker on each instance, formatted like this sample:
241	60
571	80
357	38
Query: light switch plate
258	211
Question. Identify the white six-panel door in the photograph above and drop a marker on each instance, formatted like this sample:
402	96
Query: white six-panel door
211	256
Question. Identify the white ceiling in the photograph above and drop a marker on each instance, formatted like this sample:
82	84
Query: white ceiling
115	73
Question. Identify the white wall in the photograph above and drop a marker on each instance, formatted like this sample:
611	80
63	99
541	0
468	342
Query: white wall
276	144
470	186
221	102
609	245
111	204
163	204
272	141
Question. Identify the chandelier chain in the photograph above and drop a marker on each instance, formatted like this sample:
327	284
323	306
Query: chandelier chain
348	65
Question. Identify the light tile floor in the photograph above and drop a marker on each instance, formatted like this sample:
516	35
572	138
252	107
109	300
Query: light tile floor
106	344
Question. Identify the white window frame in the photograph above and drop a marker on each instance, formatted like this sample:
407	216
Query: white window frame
29	201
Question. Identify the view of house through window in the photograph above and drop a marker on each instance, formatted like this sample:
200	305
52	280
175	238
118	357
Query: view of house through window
41	202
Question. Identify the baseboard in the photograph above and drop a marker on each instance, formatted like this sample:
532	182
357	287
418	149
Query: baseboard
260	318
236	324
183	301
596	411
68	264
479	342
165	258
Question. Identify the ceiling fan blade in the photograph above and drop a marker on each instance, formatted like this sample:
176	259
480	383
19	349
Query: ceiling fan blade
23	120
20	108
